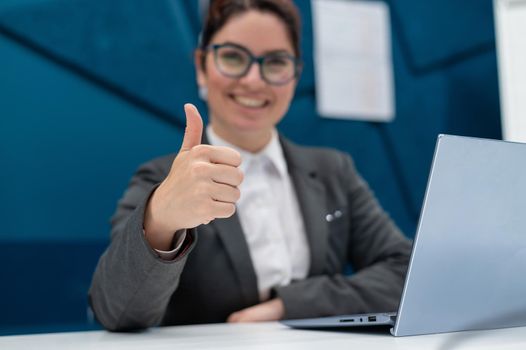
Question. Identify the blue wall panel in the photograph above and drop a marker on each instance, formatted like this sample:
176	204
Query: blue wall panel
68	150
142	48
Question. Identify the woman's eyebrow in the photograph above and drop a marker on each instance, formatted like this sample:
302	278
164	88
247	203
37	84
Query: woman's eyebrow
280	51
277	51
266	52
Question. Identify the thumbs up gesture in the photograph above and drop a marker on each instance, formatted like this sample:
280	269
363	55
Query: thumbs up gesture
202	185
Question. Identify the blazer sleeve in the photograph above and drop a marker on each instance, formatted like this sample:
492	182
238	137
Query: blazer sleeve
132	285
377	250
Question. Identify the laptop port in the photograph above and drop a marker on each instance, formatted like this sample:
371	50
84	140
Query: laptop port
371	318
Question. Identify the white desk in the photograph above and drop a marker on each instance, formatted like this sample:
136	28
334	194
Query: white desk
263	336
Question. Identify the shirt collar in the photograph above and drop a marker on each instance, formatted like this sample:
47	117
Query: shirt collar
272	151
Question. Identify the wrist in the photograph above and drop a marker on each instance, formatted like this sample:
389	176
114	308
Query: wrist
158	235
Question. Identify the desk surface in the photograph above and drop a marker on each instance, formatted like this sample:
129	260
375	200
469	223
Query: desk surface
264	336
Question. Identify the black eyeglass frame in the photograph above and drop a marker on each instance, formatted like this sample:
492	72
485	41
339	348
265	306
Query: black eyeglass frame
298	63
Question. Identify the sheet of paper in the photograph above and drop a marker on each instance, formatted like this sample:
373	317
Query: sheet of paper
353	60
510	18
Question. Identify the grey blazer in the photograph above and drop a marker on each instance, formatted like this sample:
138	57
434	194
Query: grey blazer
133	288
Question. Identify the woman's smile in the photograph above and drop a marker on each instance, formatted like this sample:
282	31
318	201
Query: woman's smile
249	102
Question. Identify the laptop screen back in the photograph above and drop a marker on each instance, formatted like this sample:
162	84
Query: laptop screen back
469	261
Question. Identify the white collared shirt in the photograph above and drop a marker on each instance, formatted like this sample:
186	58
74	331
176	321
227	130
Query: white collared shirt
270	216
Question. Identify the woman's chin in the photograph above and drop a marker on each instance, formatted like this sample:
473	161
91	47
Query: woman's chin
249	124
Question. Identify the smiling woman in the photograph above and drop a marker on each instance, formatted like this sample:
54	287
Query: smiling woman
245	103
237	228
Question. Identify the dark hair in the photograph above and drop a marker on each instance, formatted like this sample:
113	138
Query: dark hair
220	11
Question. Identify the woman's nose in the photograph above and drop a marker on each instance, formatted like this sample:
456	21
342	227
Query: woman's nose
253	76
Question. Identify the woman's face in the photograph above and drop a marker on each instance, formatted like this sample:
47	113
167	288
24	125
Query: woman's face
247	106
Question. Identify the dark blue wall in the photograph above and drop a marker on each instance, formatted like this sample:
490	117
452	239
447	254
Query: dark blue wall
91	89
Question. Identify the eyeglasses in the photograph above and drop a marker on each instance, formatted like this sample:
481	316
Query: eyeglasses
234	61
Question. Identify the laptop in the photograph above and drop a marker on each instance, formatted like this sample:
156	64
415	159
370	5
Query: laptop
468	264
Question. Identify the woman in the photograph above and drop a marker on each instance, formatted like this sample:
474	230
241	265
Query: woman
249	227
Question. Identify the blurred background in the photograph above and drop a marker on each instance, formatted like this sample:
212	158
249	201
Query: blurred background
90	89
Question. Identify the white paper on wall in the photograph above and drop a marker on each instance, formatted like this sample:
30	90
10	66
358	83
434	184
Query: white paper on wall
510	18
353	60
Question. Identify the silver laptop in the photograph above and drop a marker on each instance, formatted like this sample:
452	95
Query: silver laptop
468	266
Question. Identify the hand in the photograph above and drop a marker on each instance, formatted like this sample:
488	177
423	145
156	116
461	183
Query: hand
202	185
272	310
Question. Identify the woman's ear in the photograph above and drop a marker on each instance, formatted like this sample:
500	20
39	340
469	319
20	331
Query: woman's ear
199	63
200	74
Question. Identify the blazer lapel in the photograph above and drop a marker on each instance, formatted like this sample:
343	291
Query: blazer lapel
231	234
311	197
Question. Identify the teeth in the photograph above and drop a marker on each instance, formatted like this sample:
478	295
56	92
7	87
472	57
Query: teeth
249	102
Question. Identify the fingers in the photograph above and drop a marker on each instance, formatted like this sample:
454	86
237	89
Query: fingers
222	210
272	310
234	317
225	155
224	193
220	189
217	154
194	128
225	174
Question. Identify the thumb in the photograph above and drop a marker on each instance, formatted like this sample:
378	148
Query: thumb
194	127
